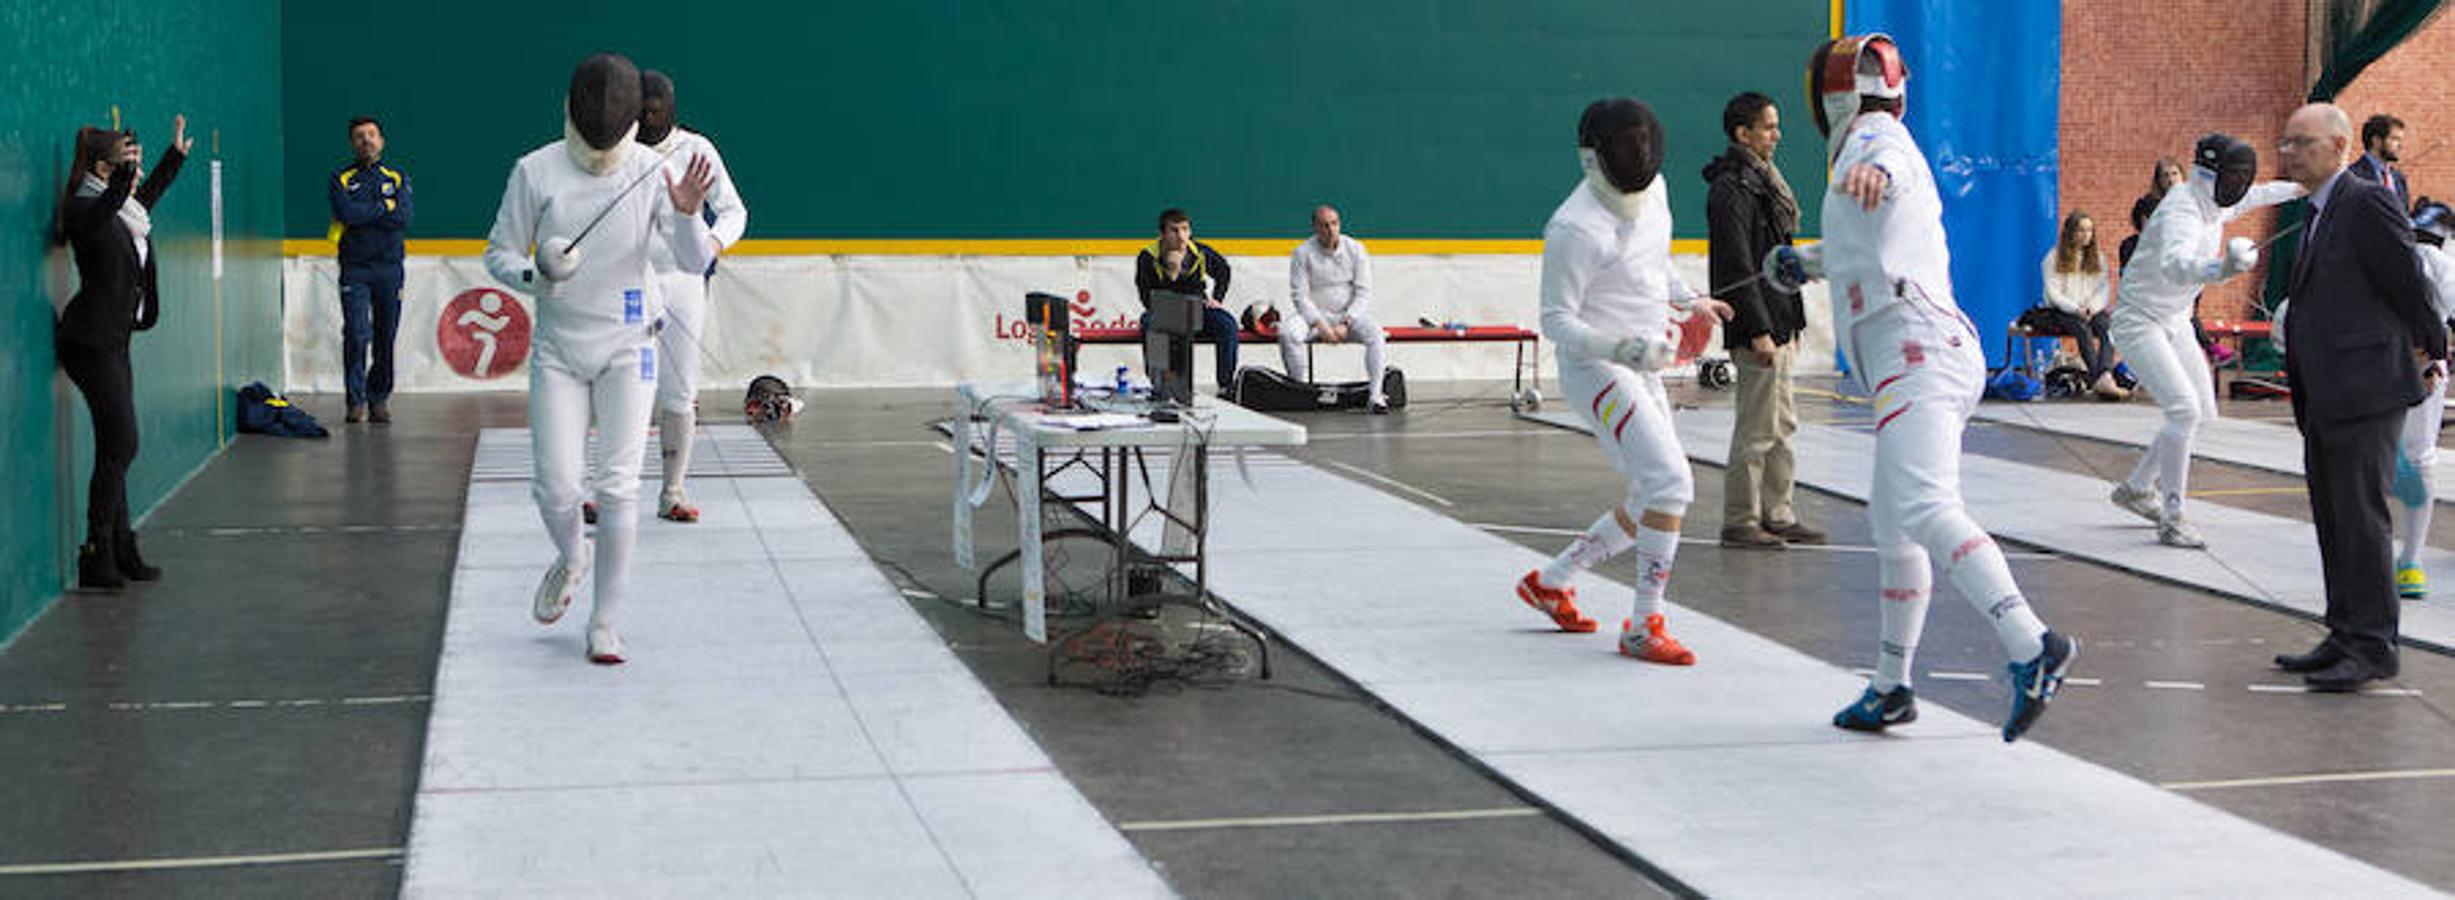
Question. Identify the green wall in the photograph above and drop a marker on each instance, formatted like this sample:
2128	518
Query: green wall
998	118
66	64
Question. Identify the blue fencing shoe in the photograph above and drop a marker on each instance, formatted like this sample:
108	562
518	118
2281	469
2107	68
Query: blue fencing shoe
2037	681
1876	712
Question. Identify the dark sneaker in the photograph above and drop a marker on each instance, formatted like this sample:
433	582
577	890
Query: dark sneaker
2037	681
1875	712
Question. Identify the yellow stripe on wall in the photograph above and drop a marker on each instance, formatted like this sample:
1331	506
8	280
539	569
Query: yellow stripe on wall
1017	247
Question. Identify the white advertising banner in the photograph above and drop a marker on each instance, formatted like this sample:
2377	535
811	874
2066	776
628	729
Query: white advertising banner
878	321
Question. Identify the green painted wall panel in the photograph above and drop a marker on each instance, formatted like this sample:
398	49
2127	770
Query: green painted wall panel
998	118
66	65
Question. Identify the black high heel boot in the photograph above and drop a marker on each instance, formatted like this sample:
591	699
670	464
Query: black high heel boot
98	567
132	564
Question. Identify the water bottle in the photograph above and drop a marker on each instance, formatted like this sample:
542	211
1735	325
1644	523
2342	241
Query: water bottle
1125	387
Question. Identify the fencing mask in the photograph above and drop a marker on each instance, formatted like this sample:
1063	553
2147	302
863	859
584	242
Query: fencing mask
2223	167
1846	72
656	112
1620	147
601	113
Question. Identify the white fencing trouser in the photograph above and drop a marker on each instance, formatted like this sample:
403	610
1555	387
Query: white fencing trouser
615	397
1630	415
677	382
1926	372
2166	358
2419	448
1295	332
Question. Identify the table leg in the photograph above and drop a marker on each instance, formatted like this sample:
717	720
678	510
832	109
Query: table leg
1028	462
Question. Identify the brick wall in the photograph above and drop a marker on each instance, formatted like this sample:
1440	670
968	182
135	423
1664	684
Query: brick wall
2135	89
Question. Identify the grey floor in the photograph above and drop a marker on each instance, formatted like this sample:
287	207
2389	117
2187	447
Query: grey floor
268	697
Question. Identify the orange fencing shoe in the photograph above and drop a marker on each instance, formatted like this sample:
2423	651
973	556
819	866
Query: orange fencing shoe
1654	645
1558	603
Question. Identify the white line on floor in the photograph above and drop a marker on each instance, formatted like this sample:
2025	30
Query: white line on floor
198	862
190	705
2305	689
1506	812
1392	482
326	529
944	447
2084	682
2326	778
1318	437
1958	676
1710	542
2176	685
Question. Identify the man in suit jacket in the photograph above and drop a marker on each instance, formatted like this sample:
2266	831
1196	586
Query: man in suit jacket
2361	346
2382	146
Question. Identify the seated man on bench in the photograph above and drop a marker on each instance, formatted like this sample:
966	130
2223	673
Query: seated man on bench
1330	281
1177	262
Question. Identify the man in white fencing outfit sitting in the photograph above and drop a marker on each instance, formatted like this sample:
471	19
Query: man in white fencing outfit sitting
1329	279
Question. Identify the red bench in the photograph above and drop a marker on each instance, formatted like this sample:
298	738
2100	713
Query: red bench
1525	377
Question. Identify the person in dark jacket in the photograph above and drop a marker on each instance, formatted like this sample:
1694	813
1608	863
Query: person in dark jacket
371	206
1749	210
1177	262
105	216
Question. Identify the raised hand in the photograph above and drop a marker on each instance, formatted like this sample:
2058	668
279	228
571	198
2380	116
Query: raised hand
693	188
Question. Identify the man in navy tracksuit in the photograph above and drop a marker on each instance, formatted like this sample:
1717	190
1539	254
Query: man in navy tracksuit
370	208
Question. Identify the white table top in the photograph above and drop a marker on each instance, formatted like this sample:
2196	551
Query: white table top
1016	404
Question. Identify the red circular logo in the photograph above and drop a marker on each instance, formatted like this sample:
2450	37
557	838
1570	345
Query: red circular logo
483	333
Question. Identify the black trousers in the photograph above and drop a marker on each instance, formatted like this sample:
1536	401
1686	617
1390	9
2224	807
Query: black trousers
2096	350
2350	465
102	375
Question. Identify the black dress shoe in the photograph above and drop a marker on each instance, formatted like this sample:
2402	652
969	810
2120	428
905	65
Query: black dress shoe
2345	676
2319	657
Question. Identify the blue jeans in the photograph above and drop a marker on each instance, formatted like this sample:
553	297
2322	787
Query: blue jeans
1219	327
370	314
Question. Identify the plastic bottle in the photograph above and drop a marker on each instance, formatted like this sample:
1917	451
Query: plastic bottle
1125	386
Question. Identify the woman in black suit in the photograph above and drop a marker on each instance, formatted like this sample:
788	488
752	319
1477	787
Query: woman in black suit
105	216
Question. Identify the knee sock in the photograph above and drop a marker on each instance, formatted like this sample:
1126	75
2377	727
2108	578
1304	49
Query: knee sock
1655	550
2412	530
1908	584
617	532
1601	541
1977	569
673	440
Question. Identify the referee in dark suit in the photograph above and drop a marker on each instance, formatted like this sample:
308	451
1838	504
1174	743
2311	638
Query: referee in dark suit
2362	345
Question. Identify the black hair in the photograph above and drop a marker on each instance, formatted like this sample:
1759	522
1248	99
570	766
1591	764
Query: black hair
2376	128
365	120
1170	216
1744	109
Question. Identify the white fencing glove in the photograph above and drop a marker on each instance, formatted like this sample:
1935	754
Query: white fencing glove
1787	268
1645	354
557	260
2240	256
2276	324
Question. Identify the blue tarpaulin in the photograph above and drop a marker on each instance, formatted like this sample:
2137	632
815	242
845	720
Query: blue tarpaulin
1985	79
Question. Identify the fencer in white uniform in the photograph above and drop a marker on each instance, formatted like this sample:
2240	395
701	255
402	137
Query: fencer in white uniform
2416	482
574	230
2178	255
1329	281
1907	341
685	291
1608	290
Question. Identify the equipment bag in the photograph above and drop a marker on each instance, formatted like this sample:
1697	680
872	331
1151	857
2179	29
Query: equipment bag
1270	390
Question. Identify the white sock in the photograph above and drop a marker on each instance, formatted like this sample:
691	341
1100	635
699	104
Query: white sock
2412	529
1985	580
673	440
1655	550
1601	541
617	532
1908	584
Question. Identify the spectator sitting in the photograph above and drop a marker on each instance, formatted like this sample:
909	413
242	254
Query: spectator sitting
1177	262
2077	298
1329	280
